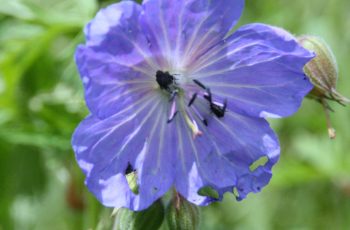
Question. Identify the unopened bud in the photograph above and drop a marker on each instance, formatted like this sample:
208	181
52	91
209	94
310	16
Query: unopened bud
149	219
323	74
181	214
322	70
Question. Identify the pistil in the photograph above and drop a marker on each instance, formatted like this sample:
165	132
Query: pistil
192	124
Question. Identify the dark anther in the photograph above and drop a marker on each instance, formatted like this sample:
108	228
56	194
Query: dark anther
192	99
164	79
218	110
205	122
173	95
200	84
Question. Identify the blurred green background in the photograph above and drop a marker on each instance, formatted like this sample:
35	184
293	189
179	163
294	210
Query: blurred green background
41	102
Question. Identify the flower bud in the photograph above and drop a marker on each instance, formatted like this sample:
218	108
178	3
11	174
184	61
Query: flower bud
323	74
149	219
322	70
181	214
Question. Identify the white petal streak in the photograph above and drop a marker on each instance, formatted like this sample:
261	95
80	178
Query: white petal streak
141	100
203	62
210	136
135	114
250	151
217	84
194	148
151	136
146	71
144	55
164	30
137	82
194	35
196	154
178	37
161	140
136	103
235	68
225	55
142	123
150	61
201	45
224	95
181	147
140	89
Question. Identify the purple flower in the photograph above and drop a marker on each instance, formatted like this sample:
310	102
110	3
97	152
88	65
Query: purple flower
179	102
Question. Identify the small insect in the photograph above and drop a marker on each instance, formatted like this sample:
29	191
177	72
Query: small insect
165	80
218	110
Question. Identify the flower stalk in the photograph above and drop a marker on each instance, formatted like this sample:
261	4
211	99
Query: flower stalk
323	74
181	214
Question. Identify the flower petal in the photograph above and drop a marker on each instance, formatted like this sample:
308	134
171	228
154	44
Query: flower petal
115	30
115	64
106	148
110	86
222	156
259	69
182	29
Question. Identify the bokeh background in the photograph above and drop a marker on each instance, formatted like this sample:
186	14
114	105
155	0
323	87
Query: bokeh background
41	102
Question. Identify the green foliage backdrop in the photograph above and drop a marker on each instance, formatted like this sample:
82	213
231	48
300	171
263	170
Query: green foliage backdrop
41	102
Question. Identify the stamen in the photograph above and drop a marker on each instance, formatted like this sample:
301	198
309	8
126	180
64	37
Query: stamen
200	84
192	99
205	121
218	109
207	96
173	110
173	95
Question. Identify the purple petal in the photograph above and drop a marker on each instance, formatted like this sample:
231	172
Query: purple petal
259	69
116	65
110	86
105	148
115	30
221	158
180	30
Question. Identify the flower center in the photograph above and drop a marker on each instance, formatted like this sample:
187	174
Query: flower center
196	91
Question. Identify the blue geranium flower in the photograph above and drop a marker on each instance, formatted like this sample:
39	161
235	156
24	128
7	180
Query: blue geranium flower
180	102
